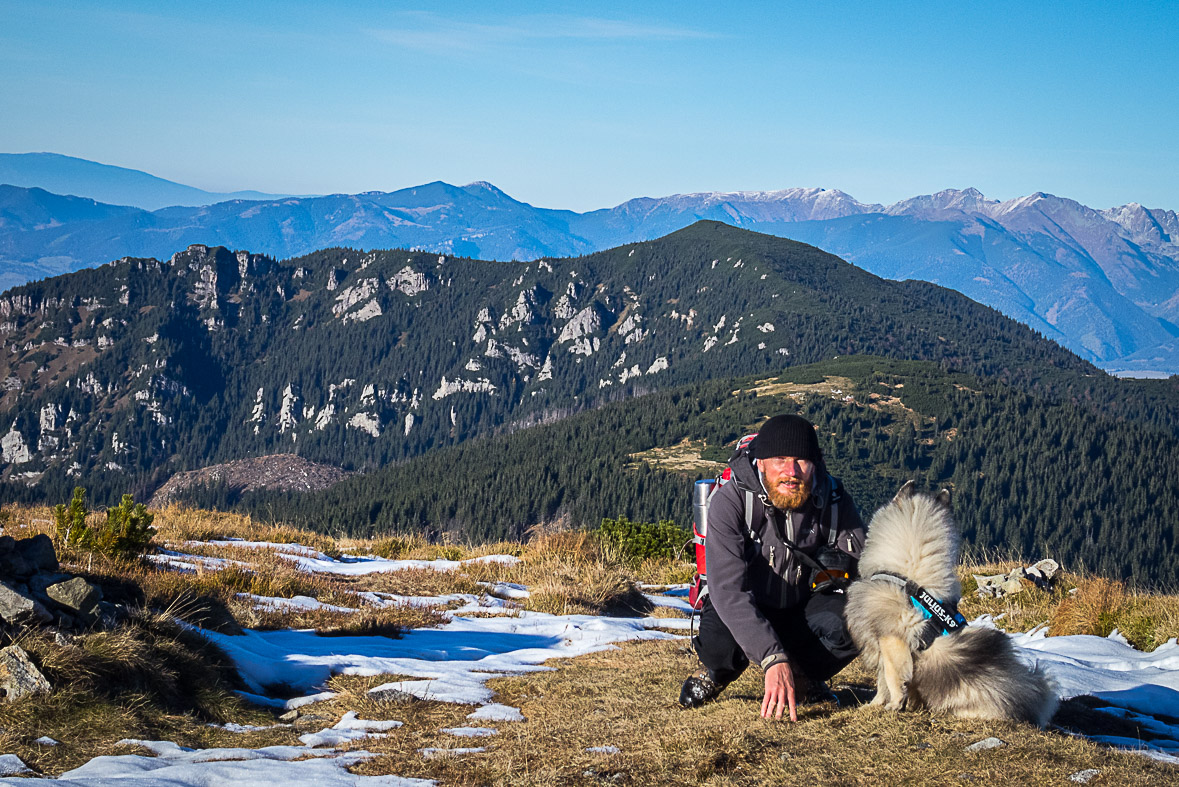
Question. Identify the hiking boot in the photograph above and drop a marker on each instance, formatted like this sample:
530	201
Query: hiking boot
698	689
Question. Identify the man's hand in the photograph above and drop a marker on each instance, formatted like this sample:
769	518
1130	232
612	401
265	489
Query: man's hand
779	692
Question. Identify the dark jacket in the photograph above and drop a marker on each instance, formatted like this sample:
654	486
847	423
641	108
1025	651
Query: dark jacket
742	581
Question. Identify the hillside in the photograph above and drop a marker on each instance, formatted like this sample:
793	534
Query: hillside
278	471
1101	282
1031	476
128	373
244	653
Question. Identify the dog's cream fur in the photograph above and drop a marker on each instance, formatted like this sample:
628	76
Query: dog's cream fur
974	673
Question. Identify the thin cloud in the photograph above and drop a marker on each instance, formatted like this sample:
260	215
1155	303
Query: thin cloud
430	32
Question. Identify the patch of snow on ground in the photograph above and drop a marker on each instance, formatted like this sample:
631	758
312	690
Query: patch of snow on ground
274	546
506	589
11	765
310	559
471	732
493	711
660	600
603	750
347	729
370	564
1137	685
192	563
177	765
293	604
432	752
453	661
244	728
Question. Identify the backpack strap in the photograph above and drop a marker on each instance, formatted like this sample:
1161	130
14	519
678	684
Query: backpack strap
833	496
749	515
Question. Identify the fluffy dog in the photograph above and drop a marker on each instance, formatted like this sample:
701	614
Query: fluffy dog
974	672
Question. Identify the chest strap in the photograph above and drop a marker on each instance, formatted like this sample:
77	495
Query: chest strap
803	557
941	619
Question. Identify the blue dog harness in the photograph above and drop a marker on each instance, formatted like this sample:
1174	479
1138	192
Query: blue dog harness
941	619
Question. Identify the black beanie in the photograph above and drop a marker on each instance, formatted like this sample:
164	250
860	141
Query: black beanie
787	435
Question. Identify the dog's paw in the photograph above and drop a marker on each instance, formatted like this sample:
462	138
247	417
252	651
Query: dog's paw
878	699
897	705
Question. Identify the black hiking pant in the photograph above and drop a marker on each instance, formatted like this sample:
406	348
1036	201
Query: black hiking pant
813	633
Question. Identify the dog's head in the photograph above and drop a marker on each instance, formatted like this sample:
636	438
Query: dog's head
915	535
909	488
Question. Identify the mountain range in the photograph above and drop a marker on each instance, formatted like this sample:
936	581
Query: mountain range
106	183
138	369
1104	283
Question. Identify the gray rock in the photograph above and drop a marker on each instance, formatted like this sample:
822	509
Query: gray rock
1085	776
111	614
14	566
289	716
77	596
39	582
16	606
986	743
39	552
391	695
18	676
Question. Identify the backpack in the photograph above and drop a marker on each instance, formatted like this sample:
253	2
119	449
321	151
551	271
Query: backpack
831	571
702	494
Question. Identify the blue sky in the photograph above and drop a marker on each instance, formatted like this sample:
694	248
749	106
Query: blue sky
584	105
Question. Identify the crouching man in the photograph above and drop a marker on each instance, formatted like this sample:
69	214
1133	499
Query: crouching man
777	534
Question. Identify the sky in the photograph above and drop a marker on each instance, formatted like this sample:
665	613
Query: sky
585	105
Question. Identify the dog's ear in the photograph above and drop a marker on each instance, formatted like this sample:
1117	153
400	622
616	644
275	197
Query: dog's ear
943	497
906	491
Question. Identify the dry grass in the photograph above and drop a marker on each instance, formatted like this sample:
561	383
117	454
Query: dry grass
1077	604
569	573
626	698
147	678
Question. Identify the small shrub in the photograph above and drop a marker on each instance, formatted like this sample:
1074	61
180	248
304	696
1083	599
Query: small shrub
126	532
71	521
635	542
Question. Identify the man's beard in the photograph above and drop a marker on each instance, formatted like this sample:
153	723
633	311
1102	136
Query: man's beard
791	501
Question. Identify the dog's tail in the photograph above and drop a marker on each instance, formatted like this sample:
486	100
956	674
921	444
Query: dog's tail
1040	703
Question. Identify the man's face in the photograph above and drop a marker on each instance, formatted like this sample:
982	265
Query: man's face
788	480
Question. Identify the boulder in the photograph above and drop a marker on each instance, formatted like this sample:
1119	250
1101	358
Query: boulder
18	676
38	552
14	566
78	597
39	582
1041	575
17	606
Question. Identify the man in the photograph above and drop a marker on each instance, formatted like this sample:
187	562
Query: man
769	530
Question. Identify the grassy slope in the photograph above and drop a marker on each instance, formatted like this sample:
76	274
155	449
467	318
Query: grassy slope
623	697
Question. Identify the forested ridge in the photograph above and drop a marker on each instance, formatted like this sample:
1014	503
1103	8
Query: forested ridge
423	372
1031	476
